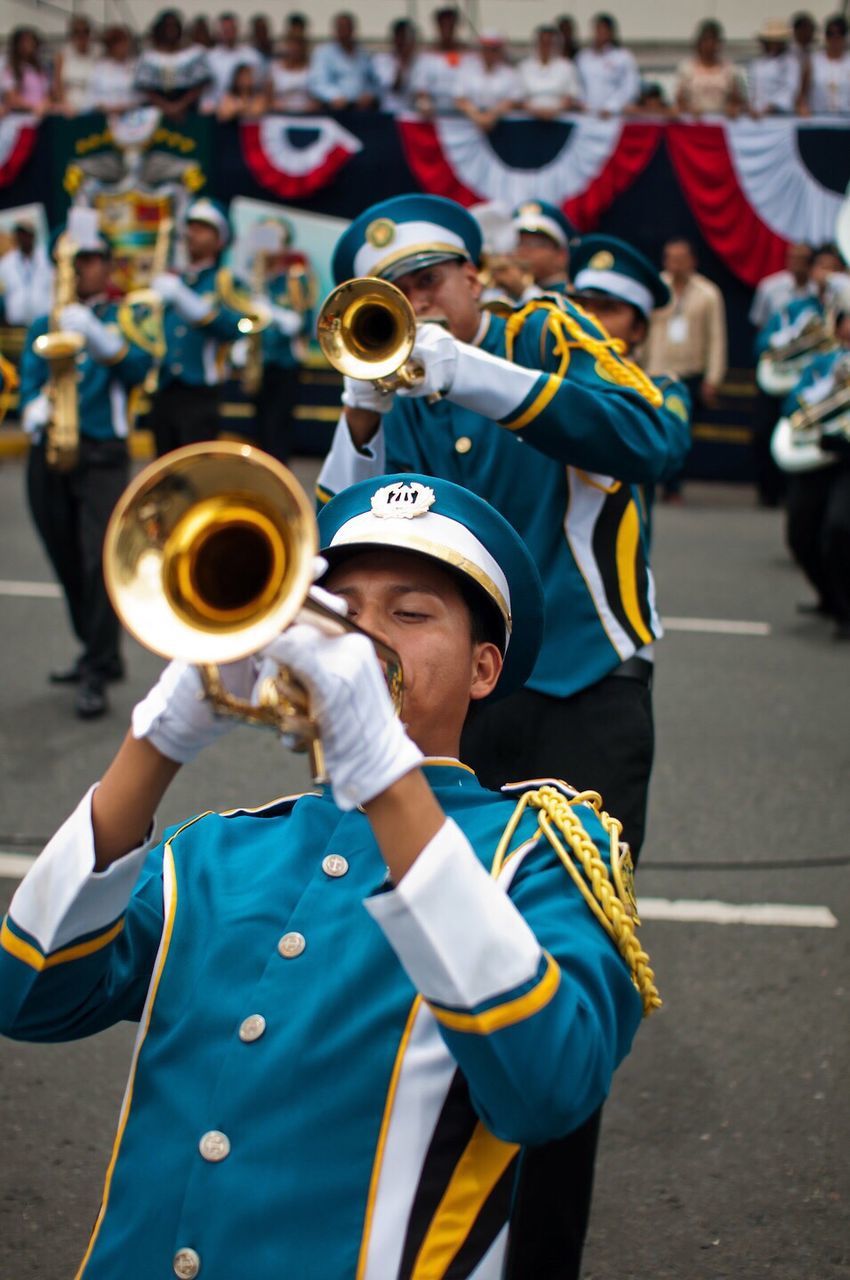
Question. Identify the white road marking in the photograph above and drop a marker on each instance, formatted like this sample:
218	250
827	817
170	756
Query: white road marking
706	911
717	626
35	590
14	866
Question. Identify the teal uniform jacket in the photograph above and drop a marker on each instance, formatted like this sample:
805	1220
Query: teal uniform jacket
193	351
819	369
566	472
783	318
103	388
277	347
328	1071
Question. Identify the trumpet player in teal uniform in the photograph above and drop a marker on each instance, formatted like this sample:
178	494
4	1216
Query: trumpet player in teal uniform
368	999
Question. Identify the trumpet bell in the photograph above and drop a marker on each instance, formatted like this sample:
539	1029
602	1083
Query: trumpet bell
209	553
366	329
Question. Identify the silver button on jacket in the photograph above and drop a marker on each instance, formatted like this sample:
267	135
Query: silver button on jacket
186	1264
214	1146
291	945
252	1027
335	865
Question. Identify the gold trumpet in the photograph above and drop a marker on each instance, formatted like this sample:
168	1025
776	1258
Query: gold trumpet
60	349
366	328
208	557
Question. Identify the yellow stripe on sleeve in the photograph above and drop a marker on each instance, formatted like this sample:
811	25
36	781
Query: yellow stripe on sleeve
627	542
504	1015
31	955
550	387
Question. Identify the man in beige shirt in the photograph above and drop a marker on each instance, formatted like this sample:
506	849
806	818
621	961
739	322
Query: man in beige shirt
687	338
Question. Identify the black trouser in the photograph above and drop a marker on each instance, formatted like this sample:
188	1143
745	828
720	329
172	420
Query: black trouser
771	481
274	407
70	511
600	739
181	414
818	531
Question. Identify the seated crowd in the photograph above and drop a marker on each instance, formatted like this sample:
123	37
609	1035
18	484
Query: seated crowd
222	72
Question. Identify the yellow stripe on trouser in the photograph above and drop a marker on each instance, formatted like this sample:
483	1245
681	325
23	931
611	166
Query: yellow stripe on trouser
479	1169
504	1015
627	543
31	955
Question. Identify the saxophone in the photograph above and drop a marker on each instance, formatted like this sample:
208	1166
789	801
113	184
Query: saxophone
252	374
60	349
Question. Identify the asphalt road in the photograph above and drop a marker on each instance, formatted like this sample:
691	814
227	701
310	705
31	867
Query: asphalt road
726	1139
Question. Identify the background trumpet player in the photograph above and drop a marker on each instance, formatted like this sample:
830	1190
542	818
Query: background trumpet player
71	507
197	325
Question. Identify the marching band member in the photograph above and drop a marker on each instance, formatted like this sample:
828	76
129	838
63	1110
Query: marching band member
289	293
185	408
540	415
26	278
71	508
544	236
481	1005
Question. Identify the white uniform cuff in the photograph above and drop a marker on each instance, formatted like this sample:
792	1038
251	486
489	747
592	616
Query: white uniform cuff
345	464
62	897
457	934
489	385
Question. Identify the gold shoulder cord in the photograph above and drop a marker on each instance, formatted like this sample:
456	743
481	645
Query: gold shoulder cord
608	894
569	333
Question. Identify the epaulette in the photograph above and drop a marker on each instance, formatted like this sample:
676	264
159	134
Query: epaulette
571	328
608	891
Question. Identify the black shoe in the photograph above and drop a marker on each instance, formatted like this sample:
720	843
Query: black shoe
842	631
70	675
91	700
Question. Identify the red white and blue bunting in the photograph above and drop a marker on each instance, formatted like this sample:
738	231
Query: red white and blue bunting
296	172
17	139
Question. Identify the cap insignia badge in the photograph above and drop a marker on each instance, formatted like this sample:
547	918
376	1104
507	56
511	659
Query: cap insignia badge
602	261
380	233
530	210
402	501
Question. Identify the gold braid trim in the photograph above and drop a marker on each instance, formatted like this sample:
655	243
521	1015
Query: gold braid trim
568	332
591	877
8	385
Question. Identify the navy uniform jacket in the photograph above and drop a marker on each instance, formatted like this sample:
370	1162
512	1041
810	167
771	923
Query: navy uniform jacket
103	388
193	352
332	1078
565	470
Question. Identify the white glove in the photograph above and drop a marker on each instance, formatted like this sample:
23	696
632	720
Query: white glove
365	745
358	394
287	321
36	415
192	307
239	353
467	376
176	718
102	343
437	351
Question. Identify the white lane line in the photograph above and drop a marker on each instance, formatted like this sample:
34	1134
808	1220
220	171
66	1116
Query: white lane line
717	626
14	866
35	590
706	911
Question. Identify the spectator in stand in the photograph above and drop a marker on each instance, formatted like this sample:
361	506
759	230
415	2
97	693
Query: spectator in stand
200	32
687	337
341	74
397	66
288	79
169	76
804	30
296	25
566	25
111	85
73	68
226	55
487	87
708	83
26	278
24	84
651	101
774	77
609	73
435	82
774	292
550	82
261	39
244	98
829	77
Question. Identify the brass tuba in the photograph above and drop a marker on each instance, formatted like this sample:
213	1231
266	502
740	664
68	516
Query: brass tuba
208	556
60	349
366	329
797	441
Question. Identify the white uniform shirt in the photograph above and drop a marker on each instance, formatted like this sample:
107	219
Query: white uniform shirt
773	293
26	285
386	69
437	75
223	62
289	88
830	85
486	89
546	84
609	78
774	83
111	85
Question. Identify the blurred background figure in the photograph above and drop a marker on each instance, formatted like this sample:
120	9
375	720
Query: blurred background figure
828	81
288	77
804	30
687	337
341	74
26	278
24	82
397	67
550	82
487	87
544	234
707	83
609	73
435	83
566	25
774	78
199	32
775	291
113	75
245	98
225	57
170	76
73	68
296	25
260	39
